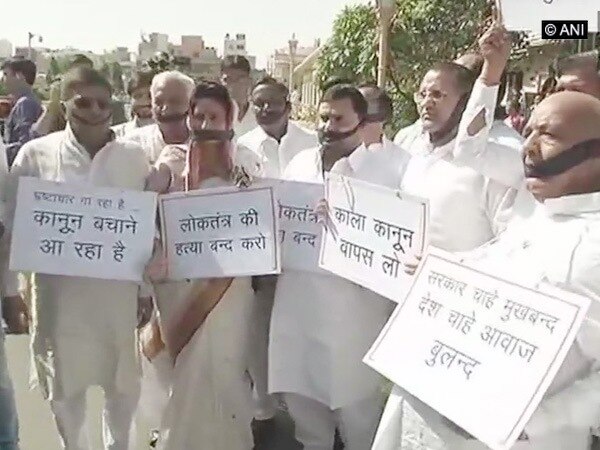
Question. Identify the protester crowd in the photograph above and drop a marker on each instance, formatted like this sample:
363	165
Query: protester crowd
209	361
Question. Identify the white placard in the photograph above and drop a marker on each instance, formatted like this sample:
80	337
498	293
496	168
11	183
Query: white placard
473	346
527	15
87	231
221	232
373	231
299	232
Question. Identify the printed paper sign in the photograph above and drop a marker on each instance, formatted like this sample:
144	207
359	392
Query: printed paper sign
85	231
374	230
222	232
299	232
527	15
473	346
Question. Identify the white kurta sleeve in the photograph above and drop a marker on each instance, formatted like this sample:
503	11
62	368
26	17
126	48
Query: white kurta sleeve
578	406
498	162
499	202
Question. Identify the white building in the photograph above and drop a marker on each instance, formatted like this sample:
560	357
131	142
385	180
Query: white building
280	62
153	44
236	46
6	49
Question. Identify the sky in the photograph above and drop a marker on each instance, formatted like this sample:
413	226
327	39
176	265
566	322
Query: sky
104	24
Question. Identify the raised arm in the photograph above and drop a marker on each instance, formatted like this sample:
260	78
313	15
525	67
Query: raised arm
498	162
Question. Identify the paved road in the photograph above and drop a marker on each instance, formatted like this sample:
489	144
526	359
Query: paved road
38	431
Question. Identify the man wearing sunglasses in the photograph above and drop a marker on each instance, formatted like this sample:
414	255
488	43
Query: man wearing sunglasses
170	99
378	160
235	76
271	146
84	328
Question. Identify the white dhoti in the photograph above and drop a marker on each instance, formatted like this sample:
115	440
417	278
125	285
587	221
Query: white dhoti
316	423
265	405
84	330
157	375
210	405
402	428
84	335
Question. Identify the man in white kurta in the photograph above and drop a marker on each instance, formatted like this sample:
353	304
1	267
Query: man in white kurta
138	90
269	147
235	76
470	200
170	92
377	160
322	325
558	244
84	329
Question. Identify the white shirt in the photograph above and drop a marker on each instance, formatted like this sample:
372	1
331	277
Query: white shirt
248	122
558	245
273	157
500	159
322	326
467	208
382	163
124	129
84	328
150	138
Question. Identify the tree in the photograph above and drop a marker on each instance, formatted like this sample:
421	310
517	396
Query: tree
117	78
54	71
161	63
422	32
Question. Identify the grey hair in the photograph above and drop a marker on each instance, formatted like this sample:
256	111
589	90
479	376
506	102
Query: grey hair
172	75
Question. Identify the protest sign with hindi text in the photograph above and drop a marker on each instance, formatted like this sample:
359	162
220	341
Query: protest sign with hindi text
299	231
372	232
519	15
220	232
473	346
86	231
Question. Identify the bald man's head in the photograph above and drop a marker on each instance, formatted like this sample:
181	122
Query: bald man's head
562	133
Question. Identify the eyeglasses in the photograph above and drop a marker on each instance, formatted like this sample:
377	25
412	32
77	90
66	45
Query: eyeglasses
435	96
87	102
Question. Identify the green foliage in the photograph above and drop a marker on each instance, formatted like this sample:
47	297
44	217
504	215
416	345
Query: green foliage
3	90
422	32
54	71
161	63
351	53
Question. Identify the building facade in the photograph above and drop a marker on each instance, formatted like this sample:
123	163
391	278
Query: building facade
236	46
280	63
